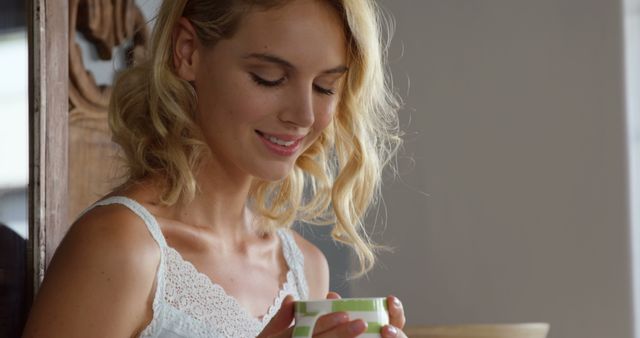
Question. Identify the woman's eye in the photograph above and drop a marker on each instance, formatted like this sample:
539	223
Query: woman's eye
268	83
265	82
324	91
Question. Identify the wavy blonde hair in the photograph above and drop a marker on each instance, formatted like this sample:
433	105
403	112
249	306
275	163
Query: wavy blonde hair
334	182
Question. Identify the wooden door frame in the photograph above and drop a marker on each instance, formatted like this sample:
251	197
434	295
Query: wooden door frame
48	133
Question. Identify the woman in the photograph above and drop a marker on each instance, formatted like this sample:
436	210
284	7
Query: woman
247	116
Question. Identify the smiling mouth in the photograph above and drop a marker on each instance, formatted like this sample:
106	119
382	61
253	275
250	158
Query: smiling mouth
292	141
281	145
276	140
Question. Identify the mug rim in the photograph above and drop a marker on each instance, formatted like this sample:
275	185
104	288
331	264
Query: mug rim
369	304
342	300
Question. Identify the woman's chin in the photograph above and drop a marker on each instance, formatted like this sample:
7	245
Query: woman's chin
276	174
274	177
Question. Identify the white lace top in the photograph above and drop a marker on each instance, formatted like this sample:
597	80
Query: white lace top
188	304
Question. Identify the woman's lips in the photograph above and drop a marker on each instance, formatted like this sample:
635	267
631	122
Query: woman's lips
283	137
281	144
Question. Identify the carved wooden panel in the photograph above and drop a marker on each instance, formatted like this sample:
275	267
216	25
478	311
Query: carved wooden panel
106	24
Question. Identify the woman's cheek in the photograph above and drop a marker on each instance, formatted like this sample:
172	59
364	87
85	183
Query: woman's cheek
323	119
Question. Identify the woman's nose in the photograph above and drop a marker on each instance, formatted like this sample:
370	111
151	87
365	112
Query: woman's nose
300	112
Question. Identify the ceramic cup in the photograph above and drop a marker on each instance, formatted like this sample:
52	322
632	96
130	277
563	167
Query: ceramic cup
372	310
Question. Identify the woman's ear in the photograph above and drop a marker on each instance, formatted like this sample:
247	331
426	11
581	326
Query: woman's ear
185	50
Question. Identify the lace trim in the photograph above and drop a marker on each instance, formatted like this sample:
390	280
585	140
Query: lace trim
190	293
194	293
295	260
179	324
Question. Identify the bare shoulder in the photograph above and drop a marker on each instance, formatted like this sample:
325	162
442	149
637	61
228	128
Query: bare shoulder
111	226
100	279
316	267
115	230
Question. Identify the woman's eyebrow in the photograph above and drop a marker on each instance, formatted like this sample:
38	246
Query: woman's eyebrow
280	61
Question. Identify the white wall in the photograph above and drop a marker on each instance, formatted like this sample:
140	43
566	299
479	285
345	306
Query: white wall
632	63
516	111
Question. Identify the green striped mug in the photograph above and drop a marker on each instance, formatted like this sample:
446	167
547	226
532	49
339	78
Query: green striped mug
372	310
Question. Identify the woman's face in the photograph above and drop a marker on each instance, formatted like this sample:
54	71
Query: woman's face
266	94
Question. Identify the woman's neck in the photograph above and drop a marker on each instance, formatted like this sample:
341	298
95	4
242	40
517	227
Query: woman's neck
220	202
219	207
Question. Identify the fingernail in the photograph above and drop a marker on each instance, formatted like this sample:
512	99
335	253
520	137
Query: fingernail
392	330
357	326
340	318
397	302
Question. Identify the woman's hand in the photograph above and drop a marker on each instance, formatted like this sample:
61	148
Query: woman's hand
396	317
332	325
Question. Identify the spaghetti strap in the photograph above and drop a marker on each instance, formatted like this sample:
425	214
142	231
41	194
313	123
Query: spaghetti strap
138	209
295	260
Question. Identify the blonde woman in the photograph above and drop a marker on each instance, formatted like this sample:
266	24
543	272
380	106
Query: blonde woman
247	116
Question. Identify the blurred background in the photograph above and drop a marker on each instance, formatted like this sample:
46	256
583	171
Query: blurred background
14	173
14	129
518	194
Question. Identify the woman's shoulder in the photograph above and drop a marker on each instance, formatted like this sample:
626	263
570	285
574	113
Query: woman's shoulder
114	230
115	226
111	237
316	267
106	263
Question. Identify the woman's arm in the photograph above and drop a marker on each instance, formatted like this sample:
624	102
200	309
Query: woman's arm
101	280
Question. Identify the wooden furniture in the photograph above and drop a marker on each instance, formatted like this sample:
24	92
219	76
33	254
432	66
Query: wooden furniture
521	330
72	158
48	132
92	160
